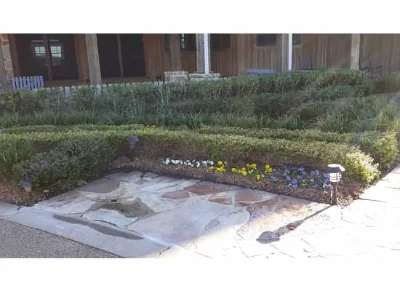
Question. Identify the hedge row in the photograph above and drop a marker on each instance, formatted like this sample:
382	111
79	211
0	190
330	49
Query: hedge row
382	146
223	96
158	143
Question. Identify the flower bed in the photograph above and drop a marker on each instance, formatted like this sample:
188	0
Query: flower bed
292	167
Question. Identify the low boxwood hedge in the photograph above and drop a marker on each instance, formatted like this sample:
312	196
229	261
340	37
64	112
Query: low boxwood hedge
382	146
158	143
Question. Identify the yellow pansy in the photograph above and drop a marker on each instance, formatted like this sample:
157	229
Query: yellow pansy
251	172
258	177
244	173
220	163
254	166
211	168
234	170
243	169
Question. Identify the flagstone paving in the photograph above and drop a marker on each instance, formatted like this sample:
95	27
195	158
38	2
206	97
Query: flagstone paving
170	217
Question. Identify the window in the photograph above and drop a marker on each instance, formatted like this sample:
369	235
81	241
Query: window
266	39
38	49
56	51
296	39
220	41
188	42
167	42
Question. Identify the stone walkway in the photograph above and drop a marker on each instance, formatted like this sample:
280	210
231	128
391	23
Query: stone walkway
145	215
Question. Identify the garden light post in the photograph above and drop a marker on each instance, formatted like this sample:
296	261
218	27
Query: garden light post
132	141
335	175
27	184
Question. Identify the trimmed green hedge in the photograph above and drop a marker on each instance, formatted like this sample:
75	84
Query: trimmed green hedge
359	165
388	84
67	165
382	146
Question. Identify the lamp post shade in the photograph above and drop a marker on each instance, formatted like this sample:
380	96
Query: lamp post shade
335	172
132	142
335	175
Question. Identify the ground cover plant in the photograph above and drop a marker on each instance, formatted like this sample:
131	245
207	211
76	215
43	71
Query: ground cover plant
274	133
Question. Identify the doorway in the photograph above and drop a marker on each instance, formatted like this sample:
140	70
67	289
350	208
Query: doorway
52	56
121	55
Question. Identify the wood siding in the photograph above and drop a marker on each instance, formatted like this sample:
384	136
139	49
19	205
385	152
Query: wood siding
383	49
315	50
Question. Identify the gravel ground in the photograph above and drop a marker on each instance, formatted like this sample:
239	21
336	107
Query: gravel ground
17	241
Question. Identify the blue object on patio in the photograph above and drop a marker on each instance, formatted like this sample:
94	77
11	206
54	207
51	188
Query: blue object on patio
252	72
27	83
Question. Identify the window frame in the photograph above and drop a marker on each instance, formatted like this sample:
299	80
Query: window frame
300	38
266	45
223	48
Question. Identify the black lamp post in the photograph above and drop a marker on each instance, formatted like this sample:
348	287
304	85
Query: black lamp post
334	172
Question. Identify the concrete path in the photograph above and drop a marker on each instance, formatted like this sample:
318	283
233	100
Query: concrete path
145	215
17	241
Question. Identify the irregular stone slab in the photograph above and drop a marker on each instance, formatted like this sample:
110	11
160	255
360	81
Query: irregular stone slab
162	184
222	198
6	209
110	216
206	188
242	204
234	220
125	190
103	186
273	214
253	249
334	243
131	177
249	195
95	234
181	224
212	224
150	175
135	208
71	205
179	194
221	242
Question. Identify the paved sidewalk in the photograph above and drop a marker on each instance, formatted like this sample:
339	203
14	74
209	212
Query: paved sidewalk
146	215
17	241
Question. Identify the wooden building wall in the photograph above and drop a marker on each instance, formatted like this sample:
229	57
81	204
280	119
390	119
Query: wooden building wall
383	49
316	50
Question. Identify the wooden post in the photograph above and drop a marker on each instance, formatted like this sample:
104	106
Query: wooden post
93	59
284	52
324	51
355	52
175	61
200	61
241	50
3	73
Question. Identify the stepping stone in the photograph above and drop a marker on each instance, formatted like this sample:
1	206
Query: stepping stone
222	198
206	188
248	195
102	186
179	194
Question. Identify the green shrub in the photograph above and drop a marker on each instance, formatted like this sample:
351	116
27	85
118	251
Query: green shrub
67	164
388	84
233	147
355	78
382	146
